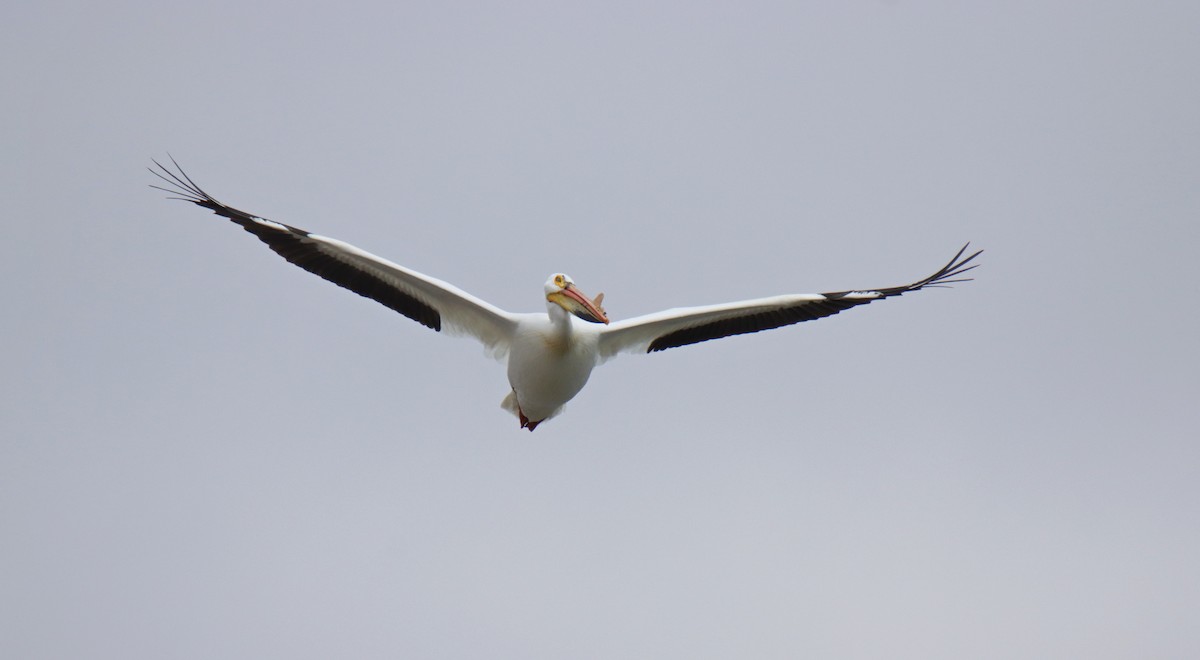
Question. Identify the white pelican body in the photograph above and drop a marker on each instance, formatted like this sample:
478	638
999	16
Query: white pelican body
552	355
550	359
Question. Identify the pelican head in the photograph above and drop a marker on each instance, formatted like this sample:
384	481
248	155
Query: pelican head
561	290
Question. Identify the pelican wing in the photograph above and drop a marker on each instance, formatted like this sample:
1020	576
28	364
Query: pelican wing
691	325
428	301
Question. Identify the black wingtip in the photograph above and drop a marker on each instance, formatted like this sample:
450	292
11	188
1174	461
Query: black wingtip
949	274
181	186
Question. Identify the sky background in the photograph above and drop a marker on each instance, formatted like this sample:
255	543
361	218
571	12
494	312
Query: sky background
208	453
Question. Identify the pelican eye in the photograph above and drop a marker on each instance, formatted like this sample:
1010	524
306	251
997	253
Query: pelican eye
558	280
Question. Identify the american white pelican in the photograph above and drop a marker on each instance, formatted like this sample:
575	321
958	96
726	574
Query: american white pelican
550	355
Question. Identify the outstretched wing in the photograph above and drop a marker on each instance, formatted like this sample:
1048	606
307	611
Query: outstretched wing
428	301
690	325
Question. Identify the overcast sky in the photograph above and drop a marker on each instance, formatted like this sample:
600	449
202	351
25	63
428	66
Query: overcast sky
207	453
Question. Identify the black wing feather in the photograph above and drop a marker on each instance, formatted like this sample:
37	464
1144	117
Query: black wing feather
810	310
297	247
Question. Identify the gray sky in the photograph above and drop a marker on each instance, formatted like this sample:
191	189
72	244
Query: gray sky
208	453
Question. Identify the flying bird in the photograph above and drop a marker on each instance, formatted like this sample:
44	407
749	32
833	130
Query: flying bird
550	354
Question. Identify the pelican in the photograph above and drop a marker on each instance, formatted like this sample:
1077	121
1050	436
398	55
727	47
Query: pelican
551	354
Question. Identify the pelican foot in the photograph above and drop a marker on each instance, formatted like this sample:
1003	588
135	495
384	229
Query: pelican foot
525	423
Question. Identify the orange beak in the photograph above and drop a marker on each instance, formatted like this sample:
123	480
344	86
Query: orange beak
573	300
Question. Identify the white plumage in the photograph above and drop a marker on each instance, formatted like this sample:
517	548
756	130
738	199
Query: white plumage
551	355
